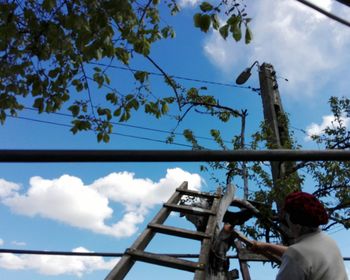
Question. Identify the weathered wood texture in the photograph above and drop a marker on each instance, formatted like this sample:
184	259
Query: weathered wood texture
225	202
197	235
126	262
164	260
206	244
242	264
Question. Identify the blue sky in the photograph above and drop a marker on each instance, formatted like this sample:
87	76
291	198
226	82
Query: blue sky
103	207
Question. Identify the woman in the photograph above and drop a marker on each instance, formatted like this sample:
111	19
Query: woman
313	255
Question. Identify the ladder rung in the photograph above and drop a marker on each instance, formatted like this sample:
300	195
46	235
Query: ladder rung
189	209
197	235
197	193
164	260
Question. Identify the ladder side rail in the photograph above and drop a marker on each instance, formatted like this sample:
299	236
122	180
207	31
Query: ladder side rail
206	244
126	262
242	264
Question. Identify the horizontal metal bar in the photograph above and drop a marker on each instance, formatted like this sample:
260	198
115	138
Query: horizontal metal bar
100	254
170	155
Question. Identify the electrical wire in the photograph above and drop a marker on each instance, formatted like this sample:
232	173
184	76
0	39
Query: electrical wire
138	127
175	77
344	2
113	133
324	12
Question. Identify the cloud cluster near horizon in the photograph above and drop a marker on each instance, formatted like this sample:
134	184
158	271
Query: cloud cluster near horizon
292	37
67	199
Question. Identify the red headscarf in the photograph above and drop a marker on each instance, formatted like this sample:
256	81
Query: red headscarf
305	209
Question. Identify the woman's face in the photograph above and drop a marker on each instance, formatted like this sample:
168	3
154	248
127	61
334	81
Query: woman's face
292	230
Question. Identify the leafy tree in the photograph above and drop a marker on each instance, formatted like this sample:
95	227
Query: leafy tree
331	178
46	46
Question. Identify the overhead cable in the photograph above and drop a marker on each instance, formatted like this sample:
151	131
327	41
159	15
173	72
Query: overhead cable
139	127
175	77
324	12
113	133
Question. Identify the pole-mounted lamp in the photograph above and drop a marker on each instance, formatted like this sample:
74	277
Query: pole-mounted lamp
244	76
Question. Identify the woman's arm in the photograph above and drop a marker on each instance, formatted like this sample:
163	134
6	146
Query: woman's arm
275	249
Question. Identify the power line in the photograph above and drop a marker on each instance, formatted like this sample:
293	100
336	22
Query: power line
113	133
345	2
324	12
176	77
139	127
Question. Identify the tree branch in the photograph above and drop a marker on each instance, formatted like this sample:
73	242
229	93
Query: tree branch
88	90
217	106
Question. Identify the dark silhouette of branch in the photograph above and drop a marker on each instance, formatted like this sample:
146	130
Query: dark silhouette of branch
169	80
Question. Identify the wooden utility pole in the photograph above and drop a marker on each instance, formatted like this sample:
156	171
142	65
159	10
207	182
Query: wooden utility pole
276	123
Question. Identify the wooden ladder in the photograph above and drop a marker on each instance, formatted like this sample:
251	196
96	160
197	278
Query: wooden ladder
136	251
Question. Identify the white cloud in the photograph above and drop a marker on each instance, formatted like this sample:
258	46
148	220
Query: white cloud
327	121
64	199
304	46
57	265
188	3
19	243
324	4
7	188
68	200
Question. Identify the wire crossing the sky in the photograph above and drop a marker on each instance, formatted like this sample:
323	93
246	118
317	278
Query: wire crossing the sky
175	77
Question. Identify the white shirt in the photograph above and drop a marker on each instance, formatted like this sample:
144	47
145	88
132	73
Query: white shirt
315	256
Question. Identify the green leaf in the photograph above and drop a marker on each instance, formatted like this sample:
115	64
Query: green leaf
205	23
236	32
106	138
117	112
206	7
123	55
75	109
215	20
125	116
197	19
99	137
248	35
142	47
48	5
165	108
99	54
39	104
2	117
112	97
141	76
134	104
224	31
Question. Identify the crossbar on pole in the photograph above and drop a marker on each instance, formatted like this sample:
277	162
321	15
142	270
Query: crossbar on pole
170	155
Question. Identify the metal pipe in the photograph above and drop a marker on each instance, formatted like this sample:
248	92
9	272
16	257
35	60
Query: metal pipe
170	155
99	254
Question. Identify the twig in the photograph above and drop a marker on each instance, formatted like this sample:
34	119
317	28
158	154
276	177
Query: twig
168	79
